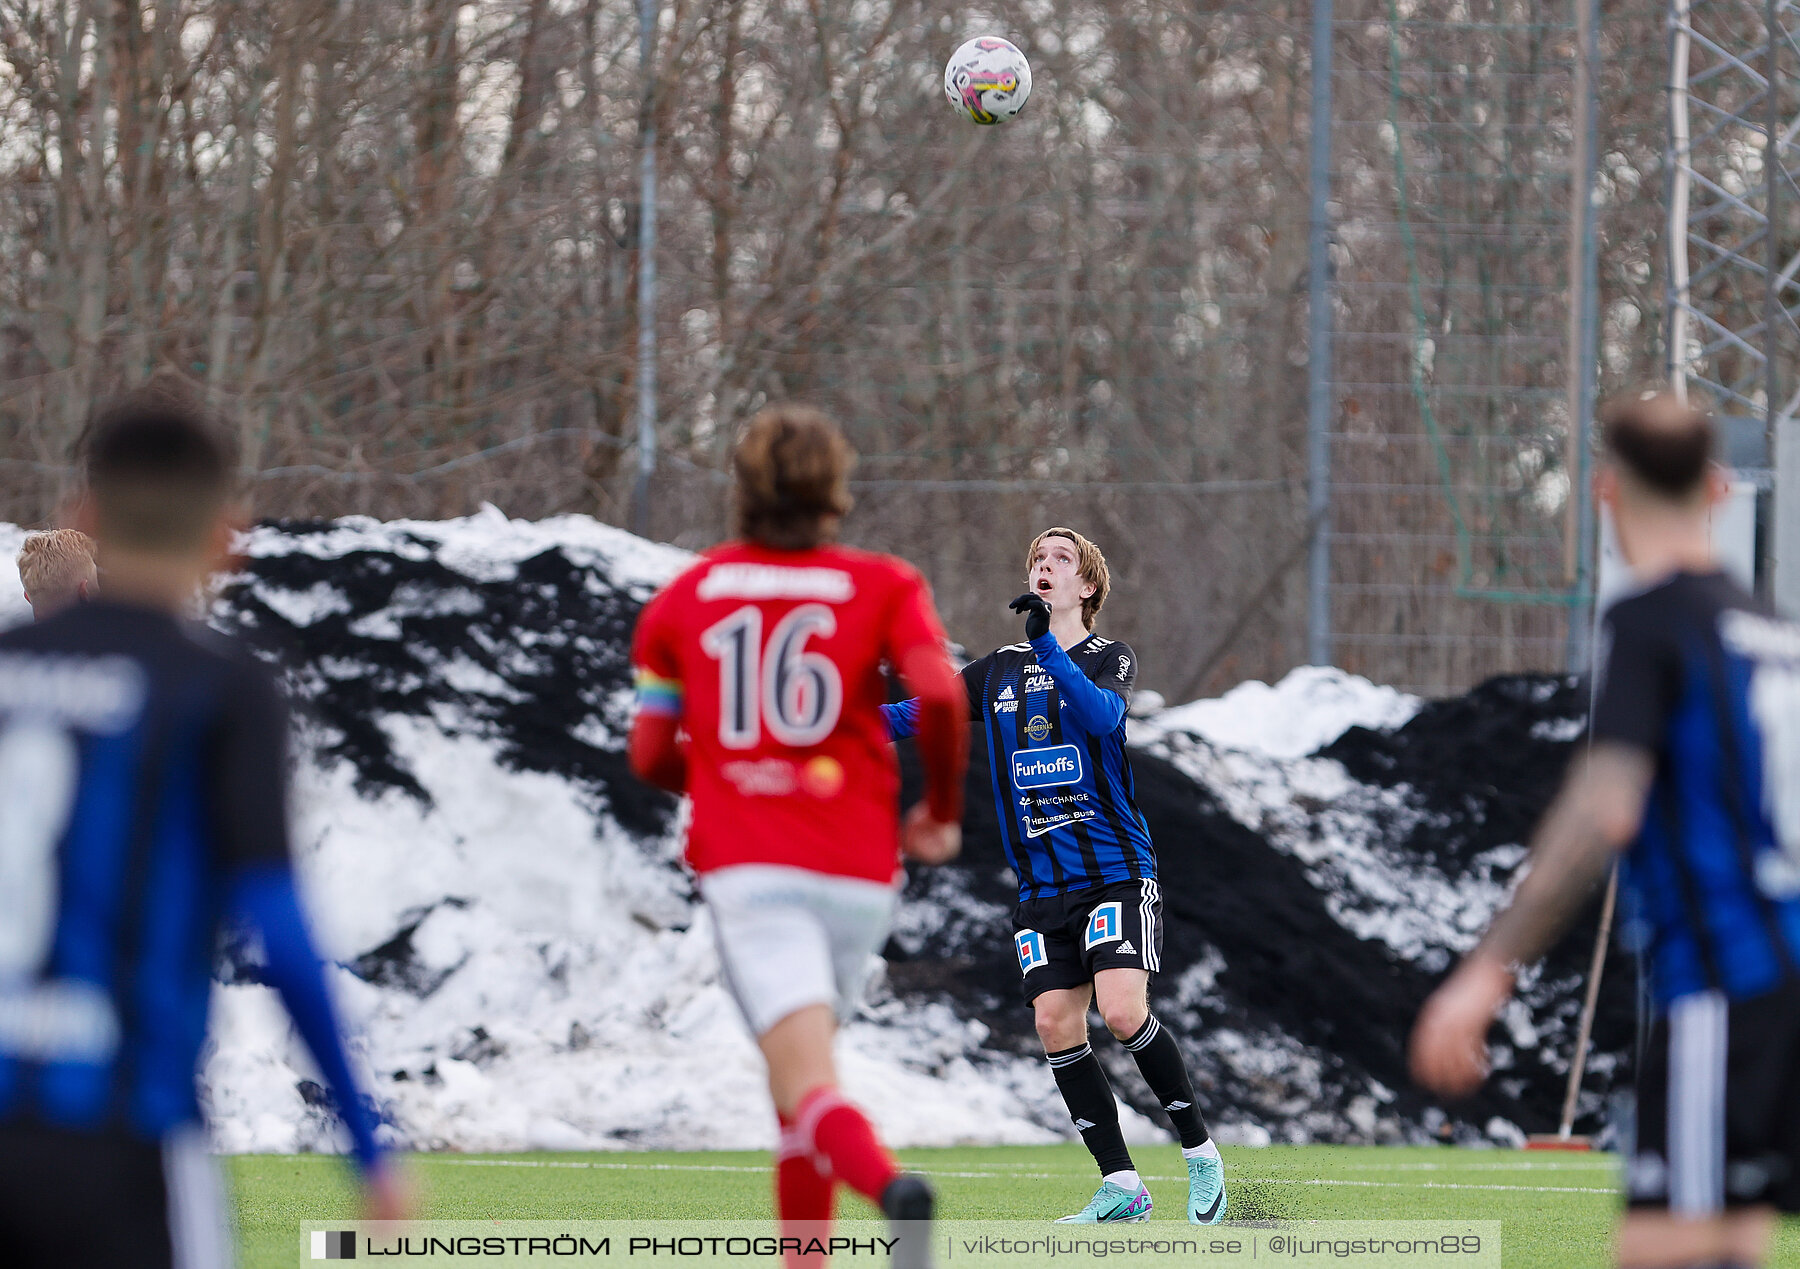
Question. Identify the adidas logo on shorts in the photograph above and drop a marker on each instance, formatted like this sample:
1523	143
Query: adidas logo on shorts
1126	949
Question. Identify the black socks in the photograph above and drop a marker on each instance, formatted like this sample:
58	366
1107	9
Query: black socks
1159	1060
1089	1098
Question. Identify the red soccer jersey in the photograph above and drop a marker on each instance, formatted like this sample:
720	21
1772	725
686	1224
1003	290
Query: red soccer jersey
774	659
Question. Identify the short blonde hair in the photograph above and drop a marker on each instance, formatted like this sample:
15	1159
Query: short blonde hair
57	562
1088	562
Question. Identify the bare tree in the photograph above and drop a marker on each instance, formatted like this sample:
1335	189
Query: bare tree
397	240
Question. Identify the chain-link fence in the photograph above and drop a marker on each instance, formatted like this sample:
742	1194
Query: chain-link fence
1456	530
399	243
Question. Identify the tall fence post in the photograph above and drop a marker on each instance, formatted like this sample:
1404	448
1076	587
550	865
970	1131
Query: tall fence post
646	343
1583	333
1319	364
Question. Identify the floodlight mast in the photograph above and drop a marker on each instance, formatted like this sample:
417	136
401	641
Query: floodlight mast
1734	115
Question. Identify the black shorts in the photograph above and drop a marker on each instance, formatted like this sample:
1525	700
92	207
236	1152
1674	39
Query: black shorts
1064	940
78	1200
1718	1106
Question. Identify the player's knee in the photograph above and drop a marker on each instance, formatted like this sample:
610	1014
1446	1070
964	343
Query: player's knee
1059	1028
1124	1018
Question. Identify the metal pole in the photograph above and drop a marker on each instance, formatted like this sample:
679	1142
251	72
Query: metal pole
1778	570
1578	1061
646	344
1680	142
1583	332
1319	365
1772	314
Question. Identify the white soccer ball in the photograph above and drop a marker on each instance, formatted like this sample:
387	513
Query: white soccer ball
988	80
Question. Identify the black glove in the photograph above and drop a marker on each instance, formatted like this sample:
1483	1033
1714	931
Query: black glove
1037	614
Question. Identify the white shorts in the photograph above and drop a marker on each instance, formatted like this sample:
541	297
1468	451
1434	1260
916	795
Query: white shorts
789	938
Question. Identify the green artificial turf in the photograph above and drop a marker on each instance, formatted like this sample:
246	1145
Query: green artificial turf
1556	1209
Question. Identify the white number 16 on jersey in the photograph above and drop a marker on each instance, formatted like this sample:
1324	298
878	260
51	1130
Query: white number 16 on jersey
795	693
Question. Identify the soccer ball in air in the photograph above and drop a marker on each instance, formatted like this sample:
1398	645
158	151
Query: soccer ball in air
988	80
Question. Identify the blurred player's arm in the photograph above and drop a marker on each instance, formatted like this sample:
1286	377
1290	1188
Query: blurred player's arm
903	718
655	747
940	711
657	754
1594	817
1601	804
250	800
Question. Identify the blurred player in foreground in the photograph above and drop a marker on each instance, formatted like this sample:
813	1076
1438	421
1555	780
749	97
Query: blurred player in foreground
1088	927
1694	773
143	798
768	655
57	569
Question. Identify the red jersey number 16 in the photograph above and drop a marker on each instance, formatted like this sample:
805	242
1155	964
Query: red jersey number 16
796	694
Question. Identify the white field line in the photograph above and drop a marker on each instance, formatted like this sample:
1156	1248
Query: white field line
1412	1185
1022	1176
1598	1165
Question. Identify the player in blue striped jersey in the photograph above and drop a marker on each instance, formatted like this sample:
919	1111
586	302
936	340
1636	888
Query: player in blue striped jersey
143	801
1693	782
1088	927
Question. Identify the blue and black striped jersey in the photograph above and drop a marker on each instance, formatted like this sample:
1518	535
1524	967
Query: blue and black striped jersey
1706	677
1054	725
143	794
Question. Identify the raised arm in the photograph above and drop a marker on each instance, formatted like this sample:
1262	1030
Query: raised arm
1099	709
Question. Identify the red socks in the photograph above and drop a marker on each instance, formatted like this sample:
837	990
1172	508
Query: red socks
801	1194
842	1144
828	1141
803	1198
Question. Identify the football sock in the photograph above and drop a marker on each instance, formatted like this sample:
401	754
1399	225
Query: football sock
842	1144
1207	1150
801	1194
1089	1098
803	1198
1126	1180
1159	1059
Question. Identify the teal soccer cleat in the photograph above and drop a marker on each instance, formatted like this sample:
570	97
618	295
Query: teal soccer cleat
1112	1204
1206	1191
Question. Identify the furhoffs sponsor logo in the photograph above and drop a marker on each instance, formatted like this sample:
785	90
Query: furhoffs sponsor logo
1040	768
334	1244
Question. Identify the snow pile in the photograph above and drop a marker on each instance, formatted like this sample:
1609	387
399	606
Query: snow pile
1306	711
520	952
1312	900
525	965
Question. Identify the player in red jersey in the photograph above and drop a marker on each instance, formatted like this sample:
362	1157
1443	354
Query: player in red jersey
760	682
